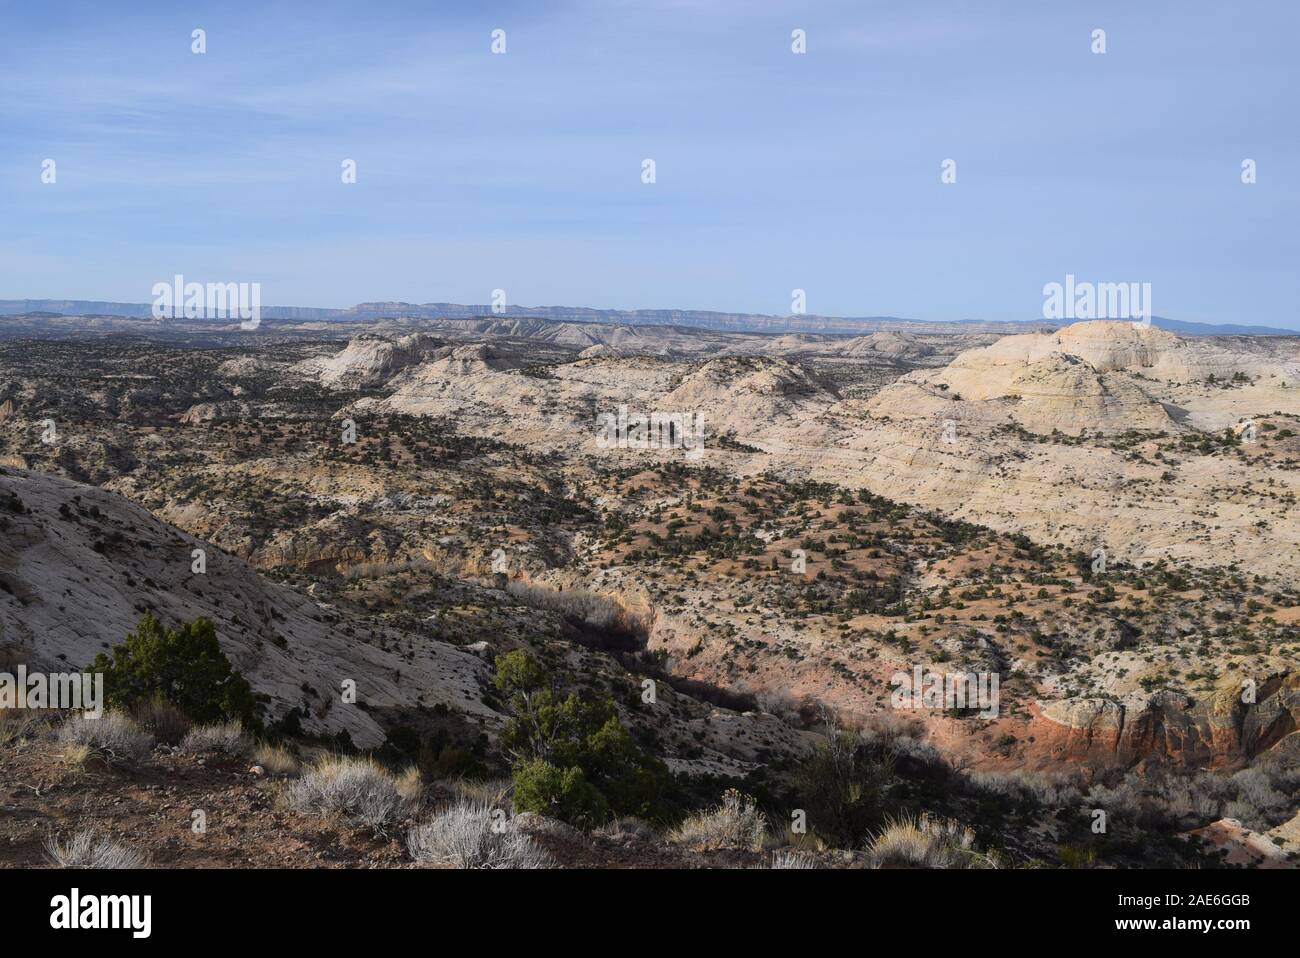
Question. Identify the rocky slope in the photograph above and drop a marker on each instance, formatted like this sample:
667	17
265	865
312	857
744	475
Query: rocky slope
79	565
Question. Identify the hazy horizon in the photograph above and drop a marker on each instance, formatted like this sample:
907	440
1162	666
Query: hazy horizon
513	309
775	171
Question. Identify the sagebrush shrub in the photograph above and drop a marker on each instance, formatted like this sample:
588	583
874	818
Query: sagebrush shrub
475	835
114	735
359	790
89	849
735	823
792	859
926	842
1052	791
222	738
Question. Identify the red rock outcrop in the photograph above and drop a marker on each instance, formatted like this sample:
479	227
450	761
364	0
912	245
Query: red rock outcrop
1168	726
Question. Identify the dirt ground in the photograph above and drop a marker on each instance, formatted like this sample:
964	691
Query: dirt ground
150	805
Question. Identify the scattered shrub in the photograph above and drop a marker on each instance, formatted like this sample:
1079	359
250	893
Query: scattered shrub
114	735
358	789
926	842
1033	788
736	823
185	666
275	759
223	738
602	611
792	859
19	725
474	835
161	719
562	793
571	757
1258	803
898	740
89	849
840	787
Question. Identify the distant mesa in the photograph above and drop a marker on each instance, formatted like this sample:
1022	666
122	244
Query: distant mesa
49	310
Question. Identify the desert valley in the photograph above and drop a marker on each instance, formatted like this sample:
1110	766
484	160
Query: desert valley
408	531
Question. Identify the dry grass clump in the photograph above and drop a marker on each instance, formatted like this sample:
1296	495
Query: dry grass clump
1075	856
495	792
469	834
161	719
410	784
927	842
77	755
627	827
114	736
736	823
803	841
89	849
358	789
787	858
275	759
221	738
21	725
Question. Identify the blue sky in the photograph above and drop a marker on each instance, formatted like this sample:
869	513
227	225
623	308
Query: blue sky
774	171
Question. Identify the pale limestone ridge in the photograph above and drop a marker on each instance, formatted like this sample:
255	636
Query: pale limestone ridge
370	359
742	393
1110	346
896	346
